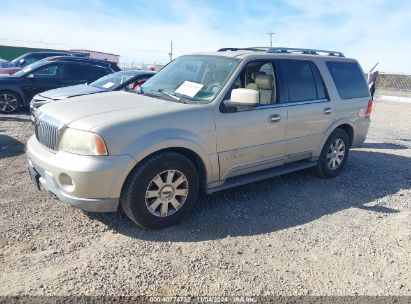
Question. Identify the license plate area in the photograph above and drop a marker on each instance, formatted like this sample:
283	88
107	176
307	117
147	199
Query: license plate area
35	176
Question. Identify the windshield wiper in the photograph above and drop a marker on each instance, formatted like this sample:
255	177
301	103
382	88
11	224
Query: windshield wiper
174	97
169	94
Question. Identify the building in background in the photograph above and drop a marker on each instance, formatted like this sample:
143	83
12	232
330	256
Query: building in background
10	49
99	55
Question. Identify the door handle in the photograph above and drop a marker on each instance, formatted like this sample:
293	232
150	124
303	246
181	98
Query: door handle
274	118
327	111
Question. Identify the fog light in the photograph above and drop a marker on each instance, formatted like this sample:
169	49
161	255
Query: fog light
66	182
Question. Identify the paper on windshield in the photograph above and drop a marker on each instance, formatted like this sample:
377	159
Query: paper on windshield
108	85
189	88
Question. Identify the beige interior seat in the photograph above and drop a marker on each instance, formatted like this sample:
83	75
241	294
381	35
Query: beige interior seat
252	85
265	88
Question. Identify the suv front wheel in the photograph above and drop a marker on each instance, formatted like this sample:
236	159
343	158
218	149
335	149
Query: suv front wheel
160	190
333	155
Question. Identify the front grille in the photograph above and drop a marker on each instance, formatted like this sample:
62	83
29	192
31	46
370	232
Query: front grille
47	134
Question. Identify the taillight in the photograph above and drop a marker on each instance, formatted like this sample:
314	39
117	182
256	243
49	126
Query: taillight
369	109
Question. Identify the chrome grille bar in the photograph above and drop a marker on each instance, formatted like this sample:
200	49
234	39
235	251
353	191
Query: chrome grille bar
47	134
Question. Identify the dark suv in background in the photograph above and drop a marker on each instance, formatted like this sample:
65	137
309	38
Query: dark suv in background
32	57
17	90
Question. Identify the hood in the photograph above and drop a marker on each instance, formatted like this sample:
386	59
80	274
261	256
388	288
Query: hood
71	91
9	71
6	79
90	111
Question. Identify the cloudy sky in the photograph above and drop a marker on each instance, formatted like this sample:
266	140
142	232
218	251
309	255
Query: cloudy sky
369	30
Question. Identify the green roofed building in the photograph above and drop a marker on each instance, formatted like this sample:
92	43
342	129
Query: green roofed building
10	49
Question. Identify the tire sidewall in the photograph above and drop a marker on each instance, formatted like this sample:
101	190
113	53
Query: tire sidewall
137	201
337	134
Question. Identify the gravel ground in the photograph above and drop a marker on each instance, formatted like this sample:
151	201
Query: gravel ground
291	235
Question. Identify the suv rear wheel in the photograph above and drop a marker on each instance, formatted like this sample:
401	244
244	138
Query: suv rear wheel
9	102
333	155
160	191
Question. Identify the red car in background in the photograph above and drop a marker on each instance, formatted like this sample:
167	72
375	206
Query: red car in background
8	68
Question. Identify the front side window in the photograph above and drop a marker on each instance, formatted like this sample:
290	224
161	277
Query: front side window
260	76
348	79
49	71
192	78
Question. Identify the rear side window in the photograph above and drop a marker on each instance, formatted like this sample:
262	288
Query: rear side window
303	80
77	72
98	72
348	79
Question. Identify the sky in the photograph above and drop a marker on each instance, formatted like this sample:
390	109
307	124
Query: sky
141	30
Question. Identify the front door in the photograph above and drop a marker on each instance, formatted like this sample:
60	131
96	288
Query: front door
253	139
43	79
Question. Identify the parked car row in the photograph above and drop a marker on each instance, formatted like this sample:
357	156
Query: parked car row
7	68
49	73
204	123
123	80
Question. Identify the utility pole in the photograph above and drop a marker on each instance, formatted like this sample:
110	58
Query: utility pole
171	51
271	33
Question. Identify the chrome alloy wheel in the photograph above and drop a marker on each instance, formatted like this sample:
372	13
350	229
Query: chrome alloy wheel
335	154
8	103
166	193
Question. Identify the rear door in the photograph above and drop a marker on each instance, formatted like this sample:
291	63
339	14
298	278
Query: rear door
310	110
76	73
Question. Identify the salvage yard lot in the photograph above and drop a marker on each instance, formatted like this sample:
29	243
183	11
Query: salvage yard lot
291	235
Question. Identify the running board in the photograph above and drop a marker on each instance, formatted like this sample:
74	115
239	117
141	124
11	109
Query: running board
263	174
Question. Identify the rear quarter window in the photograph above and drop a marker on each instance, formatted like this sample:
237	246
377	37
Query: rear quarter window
348	79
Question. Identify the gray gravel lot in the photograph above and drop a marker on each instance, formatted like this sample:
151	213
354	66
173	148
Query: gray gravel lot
291	235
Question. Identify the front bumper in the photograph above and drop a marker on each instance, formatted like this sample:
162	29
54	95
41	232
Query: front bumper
91	183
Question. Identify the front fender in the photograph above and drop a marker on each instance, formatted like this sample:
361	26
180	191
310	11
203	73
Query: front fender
153	142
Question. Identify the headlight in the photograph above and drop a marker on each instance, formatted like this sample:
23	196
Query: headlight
82	142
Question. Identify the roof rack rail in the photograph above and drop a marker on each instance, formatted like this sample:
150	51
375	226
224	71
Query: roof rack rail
303	51
255	49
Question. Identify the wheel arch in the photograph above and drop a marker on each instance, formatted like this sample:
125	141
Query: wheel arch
346	126
190	154
15	90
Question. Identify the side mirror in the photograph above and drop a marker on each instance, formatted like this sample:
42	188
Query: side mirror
30	76
22	61
243	98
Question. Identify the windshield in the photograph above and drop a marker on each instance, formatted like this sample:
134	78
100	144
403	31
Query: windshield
29	68
112	81
15	60
196	78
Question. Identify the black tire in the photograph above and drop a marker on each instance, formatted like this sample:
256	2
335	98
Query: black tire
323	169
133	194
8	106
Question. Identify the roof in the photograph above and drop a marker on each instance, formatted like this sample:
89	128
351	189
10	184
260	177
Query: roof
90	51
75	58
242	53
33	44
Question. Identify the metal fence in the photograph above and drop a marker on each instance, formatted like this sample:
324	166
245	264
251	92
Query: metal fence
393	85
140	66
